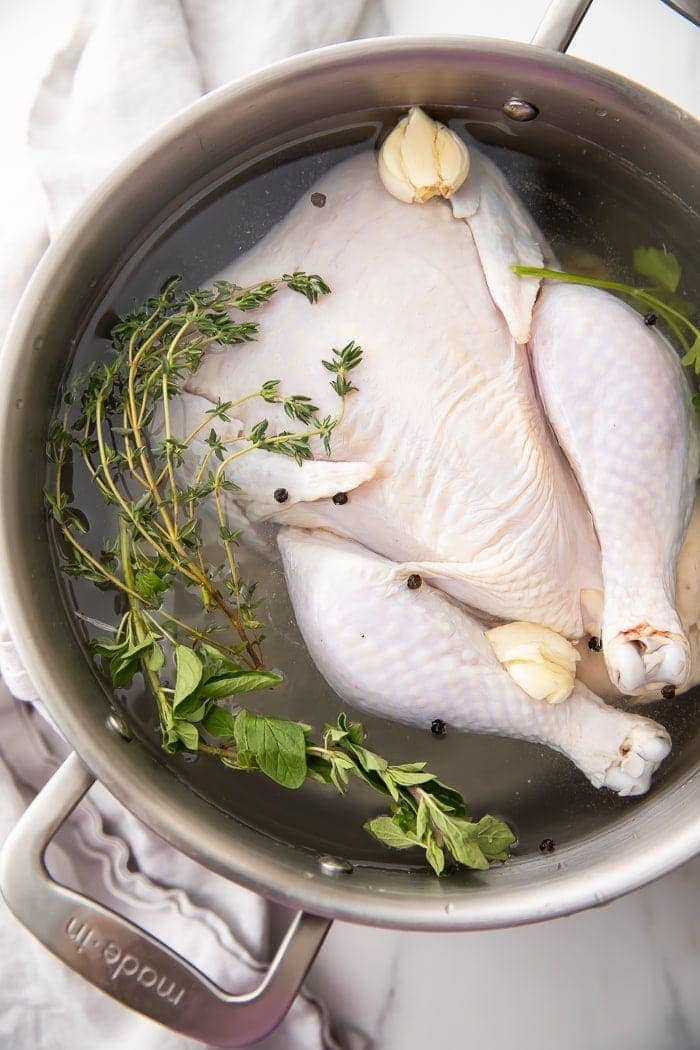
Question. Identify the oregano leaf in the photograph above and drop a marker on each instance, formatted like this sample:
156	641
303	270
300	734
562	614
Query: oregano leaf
660	266
188	734
384	829
189	673
435	856
220	722
494	837
279	747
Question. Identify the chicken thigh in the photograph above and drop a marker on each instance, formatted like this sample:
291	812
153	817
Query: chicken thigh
414	654
615	395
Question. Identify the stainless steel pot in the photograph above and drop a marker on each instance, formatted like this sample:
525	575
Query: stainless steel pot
554	103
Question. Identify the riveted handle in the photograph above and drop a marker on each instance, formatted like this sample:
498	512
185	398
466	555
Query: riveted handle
563	17
690	9
559	23
123	960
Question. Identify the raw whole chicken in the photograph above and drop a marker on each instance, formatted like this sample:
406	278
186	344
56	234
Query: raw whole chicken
527	454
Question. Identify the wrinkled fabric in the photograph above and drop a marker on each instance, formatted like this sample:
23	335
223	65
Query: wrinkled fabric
12	669
100	96
108	854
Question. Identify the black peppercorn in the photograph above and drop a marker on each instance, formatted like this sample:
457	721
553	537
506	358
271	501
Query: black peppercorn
668	692
438	727
595	644
340	499
650	319
281	495
318	199
414	581
547	846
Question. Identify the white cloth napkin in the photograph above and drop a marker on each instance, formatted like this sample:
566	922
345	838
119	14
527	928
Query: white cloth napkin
124	68
103	850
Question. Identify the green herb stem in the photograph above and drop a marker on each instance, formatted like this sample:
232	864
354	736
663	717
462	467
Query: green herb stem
139	625
657	300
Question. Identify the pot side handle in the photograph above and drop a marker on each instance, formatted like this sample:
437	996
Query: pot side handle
563	17
559	23
123	960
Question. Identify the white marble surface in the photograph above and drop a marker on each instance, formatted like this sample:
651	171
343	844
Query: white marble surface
623	976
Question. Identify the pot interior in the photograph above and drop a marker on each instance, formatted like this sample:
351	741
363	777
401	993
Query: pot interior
581	168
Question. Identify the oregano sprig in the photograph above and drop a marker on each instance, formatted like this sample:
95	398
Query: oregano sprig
661	298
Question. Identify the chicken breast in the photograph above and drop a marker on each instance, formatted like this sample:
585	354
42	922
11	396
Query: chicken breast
469	486
414	654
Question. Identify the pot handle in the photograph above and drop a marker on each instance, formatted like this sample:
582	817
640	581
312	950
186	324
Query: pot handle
559	23
563	17
122	959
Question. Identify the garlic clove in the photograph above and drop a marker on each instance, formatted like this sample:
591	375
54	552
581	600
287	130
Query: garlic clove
421	158
391	168
539	660
419	153
453	160
521	635
535	679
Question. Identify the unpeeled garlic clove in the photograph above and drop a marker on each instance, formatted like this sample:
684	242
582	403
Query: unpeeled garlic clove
539	660
422	158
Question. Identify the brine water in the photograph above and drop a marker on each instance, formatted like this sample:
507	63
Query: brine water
594	215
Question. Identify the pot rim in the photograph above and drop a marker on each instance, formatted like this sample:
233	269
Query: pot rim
149	790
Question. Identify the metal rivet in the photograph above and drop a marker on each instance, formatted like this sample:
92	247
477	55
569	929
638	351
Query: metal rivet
335	866
119	726
520	110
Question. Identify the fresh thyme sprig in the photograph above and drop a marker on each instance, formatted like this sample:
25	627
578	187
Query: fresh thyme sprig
155	349
105	428
661	299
